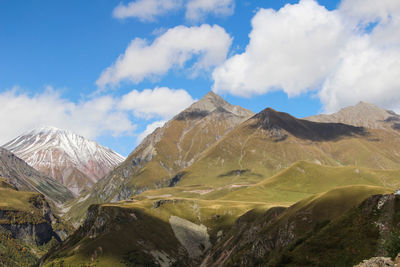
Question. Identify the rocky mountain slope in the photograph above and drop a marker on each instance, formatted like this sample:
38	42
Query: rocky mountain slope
156	162
25	178
272	141
363	114
27	226
71	159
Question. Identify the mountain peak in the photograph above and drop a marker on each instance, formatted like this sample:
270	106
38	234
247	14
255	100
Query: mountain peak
362	114
211	103
71	159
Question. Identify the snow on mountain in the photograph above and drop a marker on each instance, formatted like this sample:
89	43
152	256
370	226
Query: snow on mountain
71	159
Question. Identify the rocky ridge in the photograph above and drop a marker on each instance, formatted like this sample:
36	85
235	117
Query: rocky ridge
364	115
25	178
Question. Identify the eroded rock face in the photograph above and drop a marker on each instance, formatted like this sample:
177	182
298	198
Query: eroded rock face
193	237
34	226
38	234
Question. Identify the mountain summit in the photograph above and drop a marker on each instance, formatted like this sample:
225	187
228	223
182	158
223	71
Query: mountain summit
71	159
210	103
363	114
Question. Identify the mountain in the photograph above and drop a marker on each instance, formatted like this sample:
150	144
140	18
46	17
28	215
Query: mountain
363	114
271	141
156	162
25	178
71	159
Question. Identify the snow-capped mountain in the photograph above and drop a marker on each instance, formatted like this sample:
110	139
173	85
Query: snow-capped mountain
71	159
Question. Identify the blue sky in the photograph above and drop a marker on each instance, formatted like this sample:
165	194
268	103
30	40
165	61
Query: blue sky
56	52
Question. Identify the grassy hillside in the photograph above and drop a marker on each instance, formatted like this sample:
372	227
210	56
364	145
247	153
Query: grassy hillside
258	237
325	192
135	233
253	151
302	179
142	232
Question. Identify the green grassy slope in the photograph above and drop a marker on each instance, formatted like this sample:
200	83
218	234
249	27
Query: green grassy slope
252	152
302	179
131	233
271	240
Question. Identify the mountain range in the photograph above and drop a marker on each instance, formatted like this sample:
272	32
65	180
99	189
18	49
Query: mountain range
220	186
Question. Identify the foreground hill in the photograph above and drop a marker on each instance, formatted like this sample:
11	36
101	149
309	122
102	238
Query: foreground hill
157	161
25	178
71	159
189	232
328	229
27	226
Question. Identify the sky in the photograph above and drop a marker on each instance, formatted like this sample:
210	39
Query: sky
113	71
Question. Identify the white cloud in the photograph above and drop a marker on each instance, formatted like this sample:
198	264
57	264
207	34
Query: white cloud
369	63
159	102
198	9
366	11
99	116
146	10
339	54
21	112
149	129
172	49
292	49
365	73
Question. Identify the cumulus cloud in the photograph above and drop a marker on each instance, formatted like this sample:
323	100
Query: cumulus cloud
172	49
347	55
366	11
198	9
21	112
365	73
369	63
157	103
146	10
292	49
149	129
99	116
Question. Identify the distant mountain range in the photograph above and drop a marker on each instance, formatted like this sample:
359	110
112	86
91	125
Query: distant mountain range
220	186
71	159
